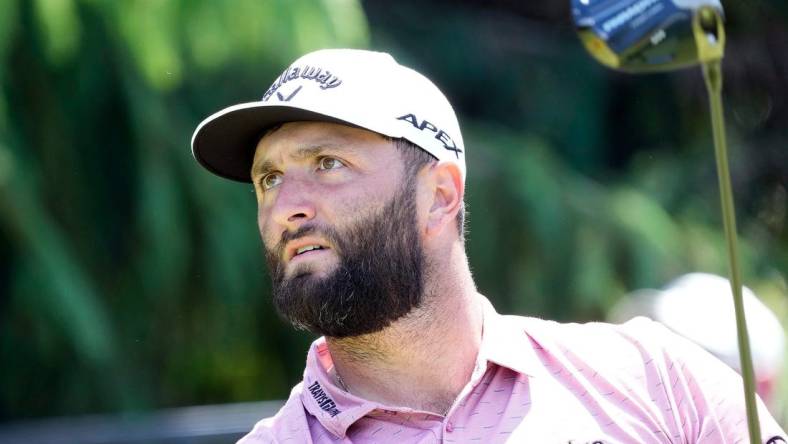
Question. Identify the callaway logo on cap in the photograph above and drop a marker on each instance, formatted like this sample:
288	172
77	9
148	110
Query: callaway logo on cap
365	89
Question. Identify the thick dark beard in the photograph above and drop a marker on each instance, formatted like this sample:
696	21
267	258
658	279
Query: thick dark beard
378	280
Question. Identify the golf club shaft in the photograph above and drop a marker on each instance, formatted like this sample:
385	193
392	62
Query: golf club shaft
712	73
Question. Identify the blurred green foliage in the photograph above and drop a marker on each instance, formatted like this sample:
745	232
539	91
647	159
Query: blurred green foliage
131	279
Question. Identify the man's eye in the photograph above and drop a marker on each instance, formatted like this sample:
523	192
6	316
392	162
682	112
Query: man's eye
270	180
330	163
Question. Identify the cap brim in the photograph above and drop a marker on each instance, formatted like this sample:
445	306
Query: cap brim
225	142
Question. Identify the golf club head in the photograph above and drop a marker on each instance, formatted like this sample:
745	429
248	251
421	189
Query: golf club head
641	35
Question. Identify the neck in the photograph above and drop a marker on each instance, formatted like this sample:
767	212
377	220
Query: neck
423	360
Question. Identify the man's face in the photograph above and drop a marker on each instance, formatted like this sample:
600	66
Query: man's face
339	227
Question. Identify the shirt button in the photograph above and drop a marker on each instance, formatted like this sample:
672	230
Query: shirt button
449	427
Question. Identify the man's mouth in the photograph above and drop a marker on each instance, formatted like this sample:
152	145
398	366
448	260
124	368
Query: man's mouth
308	253
307	248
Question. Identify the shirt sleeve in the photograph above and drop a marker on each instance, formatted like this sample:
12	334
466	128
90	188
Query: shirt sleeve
707	396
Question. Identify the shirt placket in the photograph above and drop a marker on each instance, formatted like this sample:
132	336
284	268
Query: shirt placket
477	376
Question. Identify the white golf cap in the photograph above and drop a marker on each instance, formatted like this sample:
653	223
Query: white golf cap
365	89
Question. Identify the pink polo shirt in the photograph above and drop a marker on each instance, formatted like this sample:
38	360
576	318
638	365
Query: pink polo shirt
539	381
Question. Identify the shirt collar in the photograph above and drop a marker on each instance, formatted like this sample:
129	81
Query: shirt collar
335	408
504	342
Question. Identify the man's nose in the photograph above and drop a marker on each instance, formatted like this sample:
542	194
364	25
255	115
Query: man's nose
295	204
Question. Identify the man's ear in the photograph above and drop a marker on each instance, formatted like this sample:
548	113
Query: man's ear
447	190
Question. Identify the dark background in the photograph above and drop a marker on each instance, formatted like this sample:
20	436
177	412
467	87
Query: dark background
131	279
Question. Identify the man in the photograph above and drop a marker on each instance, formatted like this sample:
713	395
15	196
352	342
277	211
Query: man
359	168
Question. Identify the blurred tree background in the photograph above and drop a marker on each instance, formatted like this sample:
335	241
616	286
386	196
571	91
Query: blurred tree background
132	279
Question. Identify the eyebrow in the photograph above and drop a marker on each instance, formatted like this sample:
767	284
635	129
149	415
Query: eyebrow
304	152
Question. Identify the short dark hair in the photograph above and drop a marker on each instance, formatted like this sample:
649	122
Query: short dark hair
414	159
